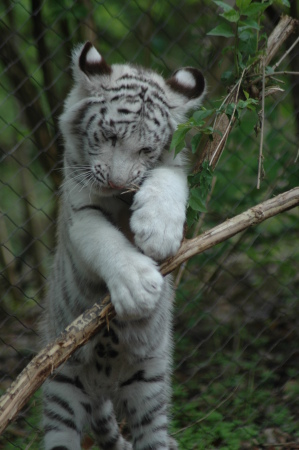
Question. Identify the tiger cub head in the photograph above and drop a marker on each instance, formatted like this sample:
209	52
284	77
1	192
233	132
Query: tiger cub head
118	120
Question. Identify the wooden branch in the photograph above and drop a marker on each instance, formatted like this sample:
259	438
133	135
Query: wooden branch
231	227
94	319
285	27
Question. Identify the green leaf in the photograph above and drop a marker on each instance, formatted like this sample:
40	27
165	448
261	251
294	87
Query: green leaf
207	130
200	185
191	216
254	9
223	5
247	45
179	147
250	103
284	3
199	116
231	16
245	35
269	70
178	138
224	30
249	24
227	77
246	94
195	141
241	4
229	110
196	201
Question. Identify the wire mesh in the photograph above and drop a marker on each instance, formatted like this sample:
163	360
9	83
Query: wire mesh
236	321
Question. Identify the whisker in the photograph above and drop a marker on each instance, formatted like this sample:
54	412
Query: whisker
80	180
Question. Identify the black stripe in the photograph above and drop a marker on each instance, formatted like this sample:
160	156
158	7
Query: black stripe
138	438
160	428
107	351
125	111
48	428
103	425
100	350
110	333
111	442
61	402
145	81
57	417
99	366
87	407
60	378
150	416
112	353
59	447
156	446
139	376
90	120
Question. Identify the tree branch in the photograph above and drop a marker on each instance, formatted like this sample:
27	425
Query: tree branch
96	318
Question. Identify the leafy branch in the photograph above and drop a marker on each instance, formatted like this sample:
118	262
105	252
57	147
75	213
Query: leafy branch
250	81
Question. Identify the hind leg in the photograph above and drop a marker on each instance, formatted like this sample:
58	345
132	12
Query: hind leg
105	427
145	399
66	410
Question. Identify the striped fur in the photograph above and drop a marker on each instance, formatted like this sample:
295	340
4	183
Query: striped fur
122	209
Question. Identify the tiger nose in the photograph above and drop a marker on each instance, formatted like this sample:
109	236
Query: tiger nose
114	186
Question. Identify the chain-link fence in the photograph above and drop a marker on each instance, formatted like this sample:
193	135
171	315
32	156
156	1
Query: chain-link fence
236	322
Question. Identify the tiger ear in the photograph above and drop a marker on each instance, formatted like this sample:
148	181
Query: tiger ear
90	61
189	82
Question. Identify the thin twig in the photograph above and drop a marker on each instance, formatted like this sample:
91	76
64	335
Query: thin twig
225	135
285	72
260	165
272	75
286	53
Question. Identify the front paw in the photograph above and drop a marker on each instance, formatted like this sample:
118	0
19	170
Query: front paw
157	225
135	287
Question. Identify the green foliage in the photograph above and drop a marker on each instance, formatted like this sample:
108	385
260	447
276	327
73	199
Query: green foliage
229	411
200	186
243	23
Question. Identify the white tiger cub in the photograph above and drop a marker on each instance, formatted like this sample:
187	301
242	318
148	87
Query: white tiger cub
122	209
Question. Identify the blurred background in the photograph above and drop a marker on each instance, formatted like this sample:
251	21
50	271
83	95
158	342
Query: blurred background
236	332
